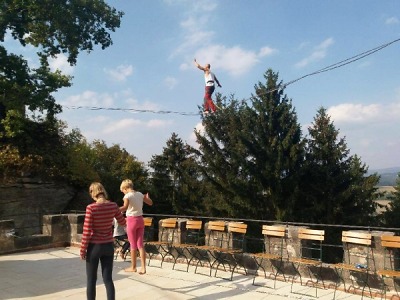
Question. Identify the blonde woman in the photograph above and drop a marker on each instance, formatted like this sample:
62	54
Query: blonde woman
133	205
97	240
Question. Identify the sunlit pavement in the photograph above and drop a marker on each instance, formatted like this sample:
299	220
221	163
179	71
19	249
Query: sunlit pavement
60	274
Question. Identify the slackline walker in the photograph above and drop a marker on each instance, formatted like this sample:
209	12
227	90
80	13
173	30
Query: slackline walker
210	80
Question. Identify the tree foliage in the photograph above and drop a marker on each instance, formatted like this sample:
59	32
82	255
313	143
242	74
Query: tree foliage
63	26
251	154
176	179
335	188
39	141
114	164
391	216
52	27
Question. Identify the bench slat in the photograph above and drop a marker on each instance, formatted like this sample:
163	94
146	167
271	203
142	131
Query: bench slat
361	241
277	231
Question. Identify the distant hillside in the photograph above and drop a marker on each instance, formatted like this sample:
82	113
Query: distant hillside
388	175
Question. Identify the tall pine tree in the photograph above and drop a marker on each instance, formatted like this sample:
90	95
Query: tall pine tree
251	154
335	187
175	179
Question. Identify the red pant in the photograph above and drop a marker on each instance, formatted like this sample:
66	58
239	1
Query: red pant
208	102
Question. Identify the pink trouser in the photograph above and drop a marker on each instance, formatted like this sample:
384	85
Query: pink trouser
135	231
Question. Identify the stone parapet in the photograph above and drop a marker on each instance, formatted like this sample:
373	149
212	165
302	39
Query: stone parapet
7	235
66	229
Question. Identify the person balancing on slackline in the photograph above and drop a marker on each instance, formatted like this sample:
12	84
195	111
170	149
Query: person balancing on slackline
210	80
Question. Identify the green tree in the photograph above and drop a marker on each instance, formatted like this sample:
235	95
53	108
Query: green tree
252	154
81	158
391	216
175	179
43	138
114	164
53	27
335	187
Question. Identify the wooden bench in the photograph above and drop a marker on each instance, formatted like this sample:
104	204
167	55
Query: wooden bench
191	240
273	245
223	247
230	252
202	254
163	245
391	264
310	256
359	268
148	229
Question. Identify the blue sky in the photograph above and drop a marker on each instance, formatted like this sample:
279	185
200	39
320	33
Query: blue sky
150	66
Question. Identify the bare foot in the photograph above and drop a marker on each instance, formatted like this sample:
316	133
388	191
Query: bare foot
142	271
130	270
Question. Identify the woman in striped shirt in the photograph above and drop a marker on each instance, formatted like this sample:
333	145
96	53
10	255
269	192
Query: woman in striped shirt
97	239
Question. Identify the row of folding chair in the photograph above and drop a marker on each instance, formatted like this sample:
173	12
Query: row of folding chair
221	248
357	259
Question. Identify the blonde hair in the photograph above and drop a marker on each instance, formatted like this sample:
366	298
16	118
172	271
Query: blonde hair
126	184
96	189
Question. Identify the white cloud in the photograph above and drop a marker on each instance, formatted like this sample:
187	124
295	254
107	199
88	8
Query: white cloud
127	125
170	82
349	112
157	123
318	53
196	6
89	98
266	51
120	73
392	20
60	62
198	38
369	130
145	105
192	138
193	36
367	114
123	126
235	60
98	119
106	100
205	6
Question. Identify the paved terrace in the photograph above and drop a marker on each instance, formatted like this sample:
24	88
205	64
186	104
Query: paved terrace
60	274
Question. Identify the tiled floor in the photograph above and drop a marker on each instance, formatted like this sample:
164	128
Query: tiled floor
60	274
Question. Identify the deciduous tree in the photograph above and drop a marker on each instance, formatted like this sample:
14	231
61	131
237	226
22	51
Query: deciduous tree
52	27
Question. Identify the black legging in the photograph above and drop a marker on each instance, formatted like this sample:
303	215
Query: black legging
104	253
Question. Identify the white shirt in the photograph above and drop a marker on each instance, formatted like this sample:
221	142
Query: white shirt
209	79
135	207
118	229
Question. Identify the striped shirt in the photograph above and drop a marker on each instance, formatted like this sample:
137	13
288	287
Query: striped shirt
98	225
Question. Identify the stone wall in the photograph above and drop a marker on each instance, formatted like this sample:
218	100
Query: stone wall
26	201
57	231
66	230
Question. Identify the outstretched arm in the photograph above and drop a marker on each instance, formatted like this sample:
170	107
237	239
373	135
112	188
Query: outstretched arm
198	65
147	200
215	77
